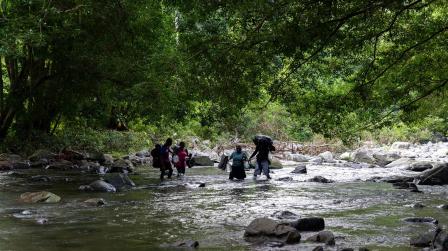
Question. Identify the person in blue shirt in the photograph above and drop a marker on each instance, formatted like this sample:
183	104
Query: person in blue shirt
238	157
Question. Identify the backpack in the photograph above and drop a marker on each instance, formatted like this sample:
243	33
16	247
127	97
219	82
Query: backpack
155	154
263	140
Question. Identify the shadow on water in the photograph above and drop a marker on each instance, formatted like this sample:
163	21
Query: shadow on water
359	213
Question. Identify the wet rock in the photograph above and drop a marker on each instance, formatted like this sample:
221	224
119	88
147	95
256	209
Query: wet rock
119	180
6	165
346	156
42	221
300	169
275	164
122	166
17	174
363	156
326	237
275	244
407	185
423	240
435	176
363	249
402	163
70	155
420	166
98	186
223	162
440	242
42	154
285	179
309	224
282	215
346	249
327	156
263	229
320	179
95	156
61	165
202	185
108	159
39	197
25	214
298	157
421	220
11	157
444	206
143	154
39	163
293	237
186	244
318	160
202	161
40	178
95	202
383	159
418	205
397	179
401	145
318	248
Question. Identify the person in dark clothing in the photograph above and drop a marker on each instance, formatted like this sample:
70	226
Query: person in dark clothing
263	146
238	157
165	159
155	154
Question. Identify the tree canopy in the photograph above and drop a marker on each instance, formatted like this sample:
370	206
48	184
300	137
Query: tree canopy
335	67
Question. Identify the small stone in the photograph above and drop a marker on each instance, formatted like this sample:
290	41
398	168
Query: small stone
95	201
418	205
42	221
422	220
202	185
326	237
320	179
318	248
301	169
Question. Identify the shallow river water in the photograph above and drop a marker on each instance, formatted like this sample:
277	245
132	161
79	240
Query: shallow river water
359	213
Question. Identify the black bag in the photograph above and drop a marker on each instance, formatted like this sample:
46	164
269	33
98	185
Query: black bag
155	153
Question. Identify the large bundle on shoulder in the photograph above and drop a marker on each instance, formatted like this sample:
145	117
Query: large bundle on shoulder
264	141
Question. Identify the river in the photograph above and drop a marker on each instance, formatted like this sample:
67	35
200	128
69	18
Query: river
359	213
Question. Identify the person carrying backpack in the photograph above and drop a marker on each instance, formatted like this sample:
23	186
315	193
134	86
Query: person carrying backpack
165	161
263	146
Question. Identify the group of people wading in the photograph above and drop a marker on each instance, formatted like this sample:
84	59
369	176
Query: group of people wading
180	158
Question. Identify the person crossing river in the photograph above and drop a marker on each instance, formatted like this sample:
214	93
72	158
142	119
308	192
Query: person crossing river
263	146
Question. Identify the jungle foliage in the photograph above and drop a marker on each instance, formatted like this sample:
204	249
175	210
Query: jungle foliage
288	68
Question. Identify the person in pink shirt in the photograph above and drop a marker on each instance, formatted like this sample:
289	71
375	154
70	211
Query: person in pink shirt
182	155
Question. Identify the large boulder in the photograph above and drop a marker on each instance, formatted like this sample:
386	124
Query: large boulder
327	156
435	176
309	224
265	229
108	159
326	237
298	157
320	179
11	157
420	166
42	154
122	166
440	242
346	156
402	163
95	156
275	164
99	186
423	240
6	165
383	159
39	197
119	180
401	145
61	165
202	160
363	155
300	169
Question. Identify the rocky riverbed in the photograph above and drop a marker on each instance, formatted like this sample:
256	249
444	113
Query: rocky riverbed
373	197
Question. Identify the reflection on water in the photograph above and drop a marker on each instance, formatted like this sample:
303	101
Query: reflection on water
359	213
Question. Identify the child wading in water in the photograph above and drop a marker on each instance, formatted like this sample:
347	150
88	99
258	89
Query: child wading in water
181	163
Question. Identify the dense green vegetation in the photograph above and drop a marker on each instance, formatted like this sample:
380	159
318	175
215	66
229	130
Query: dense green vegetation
221	69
